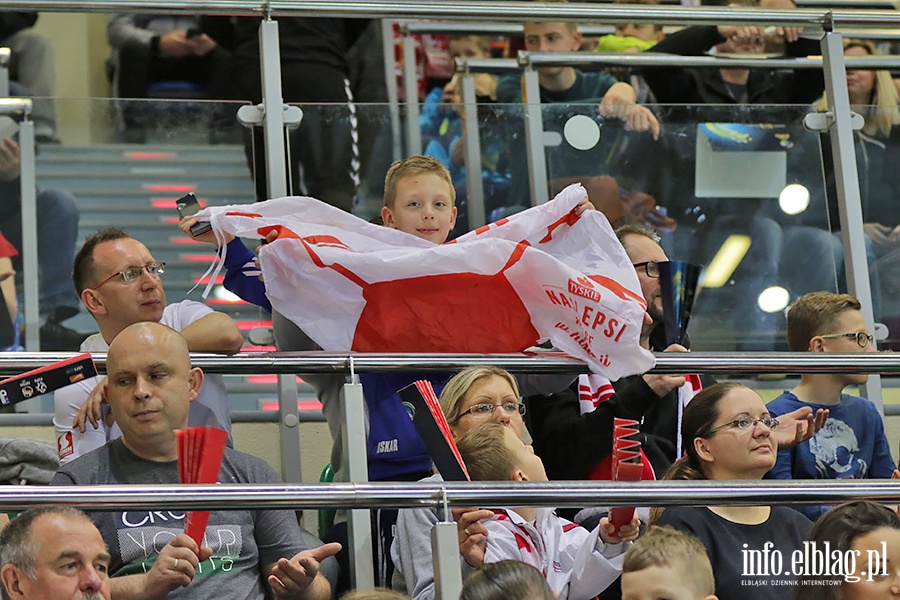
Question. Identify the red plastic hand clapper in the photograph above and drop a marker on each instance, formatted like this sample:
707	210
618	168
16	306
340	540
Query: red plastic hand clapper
200	452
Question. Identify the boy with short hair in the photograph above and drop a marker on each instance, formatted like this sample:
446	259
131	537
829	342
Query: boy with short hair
419	198
667	563
852	444
577	563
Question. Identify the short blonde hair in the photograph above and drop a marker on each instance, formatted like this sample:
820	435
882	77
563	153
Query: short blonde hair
457	388
486	454
410	167
667	547
815	314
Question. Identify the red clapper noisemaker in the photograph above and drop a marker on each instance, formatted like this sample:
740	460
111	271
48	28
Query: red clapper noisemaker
627	466
434	430
200	452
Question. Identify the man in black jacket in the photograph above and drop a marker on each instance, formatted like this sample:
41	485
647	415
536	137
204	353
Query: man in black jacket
571	444
732	86
324	152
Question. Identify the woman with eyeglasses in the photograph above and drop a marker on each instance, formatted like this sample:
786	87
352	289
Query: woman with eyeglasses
734	438
473	396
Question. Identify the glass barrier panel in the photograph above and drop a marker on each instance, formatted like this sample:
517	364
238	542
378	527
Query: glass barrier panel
735	189
719	182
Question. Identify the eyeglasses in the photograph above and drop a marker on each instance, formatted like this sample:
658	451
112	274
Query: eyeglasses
486	410
651	267
745	423
132	273
863	339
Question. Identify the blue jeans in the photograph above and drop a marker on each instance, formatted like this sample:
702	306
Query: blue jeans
57	218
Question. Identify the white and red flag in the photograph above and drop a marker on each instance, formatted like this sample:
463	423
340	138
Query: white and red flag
542	274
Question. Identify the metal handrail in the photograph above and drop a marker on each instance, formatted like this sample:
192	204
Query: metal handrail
432	494
658	59
483	11
15	106
885	363
515	29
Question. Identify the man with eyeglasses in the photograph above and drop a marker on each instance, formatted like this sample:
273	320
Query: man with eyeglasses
119	283
573	439
852	444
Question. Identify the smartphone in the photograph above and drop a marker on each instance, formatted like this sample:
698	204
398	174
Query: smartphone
188	206
192	33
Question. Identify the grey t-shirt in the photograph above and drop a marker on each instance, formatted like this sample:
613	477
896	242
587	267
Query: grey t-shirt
241	540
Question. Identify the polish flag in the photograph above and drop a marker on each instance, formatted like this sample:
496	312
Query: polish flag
542	274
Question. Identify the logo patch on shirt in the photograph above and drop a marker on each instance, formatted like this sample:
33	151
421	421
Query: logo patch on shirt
386	446
557	567
64	445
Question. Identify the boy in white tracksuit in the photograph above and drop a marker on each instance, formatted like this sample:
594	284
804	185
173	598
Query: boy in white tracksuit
578	564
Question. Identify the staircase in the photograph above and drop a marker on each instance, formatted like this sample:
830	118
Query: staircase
135	187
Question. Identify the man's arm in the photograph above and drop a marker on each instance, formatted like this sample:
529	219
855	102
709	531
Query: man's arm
673	84
122	27
10	160
215	332
619	102
570	443
298	578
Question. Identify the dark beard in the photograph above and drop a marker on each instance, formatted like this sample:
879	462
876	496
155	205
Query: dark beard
655	313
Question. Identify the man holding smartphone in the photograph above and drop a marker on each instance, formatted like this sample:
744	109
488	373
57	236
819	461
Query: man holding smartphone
150	48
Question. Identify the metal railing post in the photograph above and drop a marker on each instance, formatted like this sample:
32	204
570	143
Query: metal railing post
4	72
445	551
31	292
390	81
847	184
411	95
276	182
472	150
356	469
534	138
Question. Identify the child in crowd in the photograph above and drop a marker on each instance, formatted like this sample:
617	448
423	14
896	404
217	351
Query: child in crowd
506	579
852	444
666	563
578	564
419	199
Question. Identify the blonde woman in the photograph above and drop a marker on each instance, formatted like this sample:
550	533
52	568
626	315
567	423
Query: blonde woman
473	396
873	94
